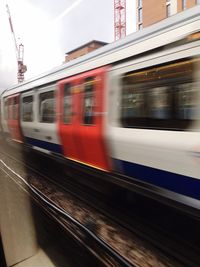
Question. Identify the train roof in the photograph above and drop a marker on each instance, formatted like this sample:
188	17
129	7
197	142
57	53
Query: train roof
165	32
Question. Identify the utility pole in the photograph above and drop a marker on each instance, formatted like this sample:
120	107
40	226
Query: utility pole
21	68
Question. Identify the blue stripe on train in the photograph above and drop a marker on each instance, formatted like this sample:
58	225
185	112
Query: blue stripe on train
43	144
181	184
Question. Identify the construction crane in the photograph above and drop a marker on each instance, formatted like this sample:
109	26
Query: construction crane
120	19
19	49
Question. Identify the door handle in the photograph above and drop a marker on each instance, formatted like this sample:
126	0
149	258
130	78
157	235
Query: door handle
36	130
48	137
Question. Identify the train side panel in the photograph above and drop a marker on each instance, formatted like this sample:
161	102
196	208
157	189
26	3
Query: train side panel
14	118
39	119
154	130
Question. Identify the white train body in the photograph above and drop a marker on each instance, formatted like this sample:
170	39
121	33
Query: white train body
145	98
167	158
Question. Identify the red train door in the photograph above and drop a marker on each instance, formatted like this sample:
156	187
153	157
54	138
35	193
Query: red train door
81	109
13	118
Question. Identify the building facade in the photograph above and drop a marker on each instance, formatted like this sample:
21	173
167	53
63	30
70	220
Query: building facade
84	49
152	11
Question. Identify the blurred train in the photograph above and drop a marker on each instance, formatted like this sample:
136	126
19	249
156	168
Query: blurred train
131	108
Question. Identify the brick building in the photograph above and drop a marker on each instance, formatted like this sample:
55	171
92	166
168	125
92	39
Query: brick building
84	49
152	11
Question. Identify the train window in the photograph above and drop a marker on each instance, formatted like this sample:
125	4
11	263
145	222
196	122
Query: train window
142	106
88	105
67	116
47	107
159	103
10	108
15	109
186	101
6	108
162	97
27	108
133	103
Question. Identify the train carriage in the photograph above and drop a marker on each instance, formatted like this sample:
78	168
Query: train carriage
155	128
130	109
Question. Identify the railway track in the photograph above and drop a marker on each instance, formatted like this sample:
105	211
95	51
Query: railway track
156	236
105	254
172	241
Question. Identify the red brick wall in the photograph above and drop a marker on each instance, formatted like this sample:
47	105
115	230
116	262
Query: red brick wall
82	51
153	11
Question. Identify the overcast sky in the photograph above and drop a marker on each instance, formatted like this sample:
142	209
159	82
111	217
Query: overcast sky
49	29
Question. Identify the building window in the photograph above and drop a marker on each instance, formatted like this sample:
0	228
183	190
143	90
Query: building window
47	107
168	10
184	4
139	3
140	26
27	108
140	14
